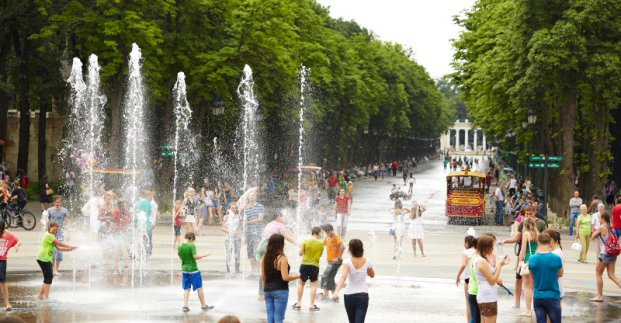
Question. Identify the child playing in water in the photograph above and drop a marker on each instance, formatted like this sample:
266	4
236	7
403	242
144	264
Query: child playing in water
397	231
191	275
178	220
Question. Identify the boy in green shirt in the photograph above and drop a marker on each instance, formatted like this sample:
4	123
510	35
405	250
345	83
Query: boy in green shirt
191	276
46	256
311	251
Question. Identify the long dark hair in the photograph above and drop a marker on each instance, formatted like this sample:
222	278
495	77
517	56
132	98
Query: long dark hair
275	248
2	227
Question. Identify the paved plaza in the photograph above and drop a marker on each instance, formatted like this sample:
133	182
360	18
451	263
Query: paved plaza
413	289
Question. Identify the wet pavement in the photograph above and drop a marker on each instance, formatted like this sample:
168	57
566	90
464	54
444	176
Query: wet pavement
412	289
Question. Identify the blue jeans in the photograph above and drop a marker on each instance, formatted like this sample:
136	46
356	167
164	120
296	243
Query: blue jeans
572	220
618	232
475	314
356	306
547	307
276	305
500	212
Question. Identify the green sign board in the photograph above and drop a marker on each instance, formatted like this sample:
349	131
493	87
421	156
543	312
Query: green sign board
543	165
555	158
536	158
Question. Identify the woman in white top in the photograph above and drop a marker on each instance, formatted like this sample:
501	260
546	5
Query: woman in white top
231	225
415	231
470	243
357	268
487	276
397	230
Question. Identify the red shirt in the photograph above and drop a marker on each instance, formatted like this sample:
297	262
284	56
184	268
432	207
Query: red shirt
332	181
616	216
342	203
395	165
120	221
7	242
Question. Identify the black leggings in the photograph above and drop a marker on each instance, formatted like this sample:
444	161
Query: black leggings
48	272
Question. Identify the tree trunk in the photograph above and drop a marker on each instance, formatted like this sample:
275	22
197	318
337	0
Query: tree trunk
23	56
4	94
43	108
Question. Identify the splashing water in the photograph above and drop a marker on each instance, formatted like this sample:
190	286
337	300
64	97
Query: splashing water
251	150
135	156
183	116
300	207
95	102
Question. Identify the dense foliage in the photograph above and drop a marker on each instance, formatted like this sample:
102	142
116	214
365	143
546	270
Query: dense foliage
367	93
559	59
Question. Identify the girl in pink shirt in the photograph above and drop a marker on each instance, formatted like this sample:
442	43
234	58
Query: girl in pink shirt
7	241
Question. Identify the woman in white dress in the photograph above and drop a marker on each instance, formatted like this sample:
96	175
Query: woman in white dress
397	230
415	231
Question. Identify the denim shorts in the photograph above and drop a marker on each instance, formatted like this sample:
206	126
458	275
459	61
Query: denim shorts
605	258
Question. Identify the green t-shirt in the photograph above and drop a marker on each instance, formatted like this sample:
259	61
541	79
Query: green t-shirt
186	253
313	249
473	285
46	253
584	224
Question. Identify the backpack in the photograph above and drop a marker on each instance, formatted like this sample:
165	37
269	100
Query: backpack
612	244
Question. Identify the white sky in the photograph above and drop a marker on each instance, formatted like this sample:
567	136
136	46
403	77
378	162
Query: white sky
426	26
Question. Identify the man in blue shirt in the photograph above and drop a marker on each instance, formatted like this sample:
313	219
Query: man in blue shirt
546	268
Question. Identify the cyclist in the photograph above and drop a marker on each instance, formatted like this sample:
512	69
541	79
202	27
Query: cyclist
18	197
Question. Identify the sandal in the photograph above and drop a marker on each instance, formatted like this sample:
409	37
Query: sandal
186	309
598	300
9	308
296	307
314	308
528	314
207	307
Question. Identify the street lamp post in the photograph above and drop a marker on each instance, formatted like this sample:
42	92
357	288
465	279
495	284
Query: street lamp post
532	119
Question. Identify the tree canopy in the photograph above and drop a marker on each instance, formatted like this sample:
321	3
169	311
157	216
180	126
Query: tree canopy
359	82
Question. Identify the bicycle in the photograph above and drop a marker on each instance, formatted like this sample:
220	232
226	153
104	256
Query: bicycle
18	218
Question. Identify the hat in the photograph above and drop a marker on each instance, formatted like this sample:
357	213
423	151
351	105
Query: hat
327	227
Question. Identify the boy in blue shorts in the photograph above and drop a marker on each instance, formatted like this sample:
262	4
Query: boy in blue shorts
191	276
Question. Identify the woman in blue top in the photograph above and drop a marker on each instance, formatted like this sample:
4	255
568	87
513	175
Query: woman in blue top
529	248
59	215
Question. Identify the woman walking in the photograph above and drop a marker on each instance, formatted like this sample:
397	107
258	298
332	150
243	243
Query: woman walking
275	276
415	231
7	241
45	196
487	278
606	260
529	248
583	222
356	268
60	215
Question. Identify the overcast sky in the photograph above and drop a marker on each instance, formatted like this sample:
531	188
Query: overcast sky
426	26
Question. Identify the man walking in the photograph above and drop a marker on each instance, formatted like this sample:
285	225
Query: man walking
311	251
574	205
500	204
616	217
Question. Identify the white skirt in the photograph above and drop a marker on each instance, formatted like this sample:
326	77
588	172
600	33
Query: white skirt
190	219
416	231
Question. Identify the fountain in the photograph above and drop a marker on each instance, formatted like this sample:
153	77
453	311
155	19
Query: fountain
251	153
135	158
300	207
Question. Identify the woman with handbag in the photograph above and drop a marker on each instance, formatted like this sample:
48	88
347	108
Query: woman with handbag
45	198
529	248
606	260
